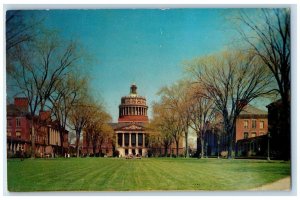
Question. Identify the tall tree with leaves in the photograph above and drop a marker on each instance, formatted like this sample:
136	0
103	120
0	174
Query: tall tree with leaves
97	128
177	102
162	126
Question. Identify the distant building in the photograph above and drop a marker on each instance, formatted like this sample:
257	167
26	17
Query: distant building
103	147
251	122
19	127
131	136
251	132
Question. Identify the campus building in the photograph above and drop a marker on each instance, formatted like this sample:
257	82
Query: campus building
131	136
20	126
251	132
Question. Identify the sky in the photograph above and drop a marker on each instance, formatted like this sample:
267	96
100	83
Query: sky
142	46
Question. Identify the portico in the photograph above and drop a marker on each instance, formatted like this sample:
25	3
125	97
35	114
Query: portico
131	143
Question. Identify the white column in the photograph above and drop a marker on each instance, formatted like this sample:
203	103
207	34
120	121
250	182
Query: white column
130	139
123	140
136	140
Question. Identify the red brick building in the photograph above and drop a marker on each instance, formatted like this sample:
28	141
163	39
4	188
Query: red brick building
251	132
19	127
251	122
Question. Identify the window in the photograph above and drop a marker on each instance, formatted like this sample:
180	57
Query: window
254	123
9	124
18	134
253	134
261	124
245	135
8	133
18	122
245	123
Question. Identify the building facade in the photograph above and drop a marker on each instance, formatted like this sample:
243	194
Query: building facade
251	132
20	127
130	133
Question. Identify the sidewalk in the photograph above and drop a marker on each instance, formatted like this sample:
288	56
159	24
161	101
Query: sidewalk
282	185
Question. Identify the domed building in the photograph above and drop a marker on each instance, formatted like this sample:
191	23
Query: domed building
131	136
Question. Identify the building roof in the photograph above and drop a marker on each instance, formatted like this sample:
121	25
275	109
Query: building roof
120	125
13	110
251	110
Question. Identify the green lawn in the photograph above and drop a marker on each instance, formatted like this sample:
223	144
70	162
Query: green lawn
111	174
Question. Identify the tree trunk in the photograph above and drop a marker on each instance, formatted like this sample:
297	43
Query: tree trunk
230	143
177	148
198	151
77	144
166	150
32	140
186	145
202	147
62	143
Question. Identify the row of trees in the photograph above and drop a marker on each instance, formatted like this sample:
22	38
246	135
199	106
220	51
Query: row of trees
220	85
47	70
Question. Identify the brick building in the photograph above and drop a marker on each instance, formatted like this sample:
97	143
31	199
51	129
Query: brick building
251	122
19	127
251	132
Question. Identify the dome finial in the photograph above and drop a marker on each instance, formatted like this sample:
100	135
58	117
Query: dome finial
133	89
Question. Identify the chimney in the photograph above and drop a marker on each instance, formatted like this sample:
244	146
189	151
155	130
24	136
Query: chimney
21	103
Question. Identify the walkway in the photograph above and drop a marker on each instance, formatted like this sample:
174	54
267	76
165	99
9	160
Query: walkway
282	185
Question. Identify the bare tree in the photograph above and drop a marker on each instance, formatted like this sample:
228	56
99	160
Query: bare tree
38	66
202	115
231	80
18	29
63	99
268	34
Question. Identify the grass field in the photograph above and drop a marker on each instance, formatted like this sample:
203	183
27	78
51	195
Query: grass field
111	174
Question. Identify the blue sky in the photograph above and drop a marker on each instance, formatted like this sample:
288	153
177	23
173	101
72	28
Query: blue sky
146	47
